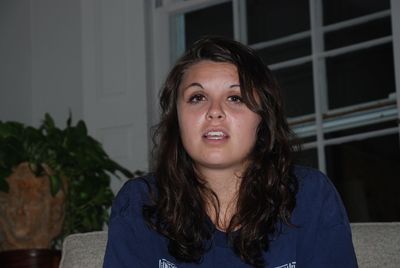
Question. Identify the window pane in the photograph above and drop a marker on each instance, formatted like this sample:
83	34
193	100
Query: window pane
358	33
214	20
308	139
339	10
297	87
366	173
361	129
360	76
267	20
286	51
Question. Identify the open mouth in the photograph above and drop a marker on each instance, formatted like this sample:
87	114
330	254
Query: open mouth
215	135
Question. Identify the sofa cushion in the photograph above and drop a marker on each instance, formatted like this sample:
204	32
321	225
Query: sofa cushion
377	244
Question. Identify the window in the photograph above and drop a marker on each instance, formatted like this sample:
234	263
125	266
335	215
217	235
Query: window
338	62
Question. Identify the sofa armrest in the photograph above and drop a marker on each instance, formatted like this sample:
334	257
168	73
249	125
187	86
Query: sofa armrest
84	250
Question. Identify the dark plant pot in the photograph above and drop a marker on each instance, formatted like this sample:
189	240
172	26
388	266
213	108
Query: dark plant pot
30	258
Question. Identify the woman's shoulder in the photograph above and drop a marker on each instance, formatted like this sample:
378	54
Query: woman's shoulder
138	184
133	195
311	180
317	196
323	232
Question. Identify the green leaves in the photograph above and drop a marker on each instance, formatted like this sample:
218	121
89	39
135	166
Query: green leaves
48	122
81	129
71	155
55	184
3	183
11	150
10	129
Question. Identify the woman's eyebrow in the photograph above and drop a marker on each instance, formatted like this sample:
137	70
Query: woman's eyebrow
195	84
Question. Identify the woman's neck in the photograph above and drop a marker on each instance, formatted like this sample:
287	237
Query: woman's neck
225	184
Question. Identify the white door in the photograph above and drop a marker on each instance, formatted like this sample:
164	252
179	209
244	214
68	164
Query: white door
114	80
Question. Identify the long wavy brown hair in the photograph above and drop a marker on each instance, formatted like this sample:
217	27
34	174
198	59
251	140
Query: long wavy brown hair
266	196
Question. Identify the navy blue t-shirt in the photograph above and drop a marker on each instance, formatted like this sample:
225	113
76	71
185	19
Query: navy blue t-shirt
321	236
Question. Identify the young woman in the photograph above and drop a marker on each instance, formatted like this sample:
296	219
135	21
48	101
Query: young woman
225	192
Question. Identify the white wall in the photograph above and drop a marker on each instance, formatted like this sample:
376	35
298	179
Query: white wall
87	56
56	59
40	60
15	61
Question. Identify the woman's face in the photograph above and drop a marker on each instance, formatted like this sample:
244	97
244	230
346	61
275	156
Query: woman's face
217	129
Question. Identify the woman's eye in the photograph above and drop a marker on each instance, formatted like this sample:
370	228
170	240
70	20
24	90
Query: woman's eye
196	98
235	98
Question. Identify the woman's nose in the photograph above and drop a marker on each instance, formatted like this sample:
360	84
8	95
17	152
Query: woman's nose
215	112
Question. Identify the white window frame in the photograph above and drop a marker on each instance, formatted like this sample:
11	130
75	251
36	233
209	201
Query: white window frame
323	120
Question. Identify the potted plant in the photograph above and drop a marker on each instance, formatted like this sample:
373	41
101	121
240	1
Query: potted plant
53	182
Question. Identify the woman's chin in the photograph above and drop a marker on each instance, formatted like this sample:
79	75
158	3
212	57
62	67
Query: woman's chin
218	164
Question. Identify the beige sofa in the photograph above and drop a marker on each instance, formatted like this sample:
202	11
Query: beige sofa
376	245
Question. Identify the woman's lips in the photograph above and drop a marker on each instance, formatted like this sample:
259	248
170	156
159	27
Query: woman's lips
215	135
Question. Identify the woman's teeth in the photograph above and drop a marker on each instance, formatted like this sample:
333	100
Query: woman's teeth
215	135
